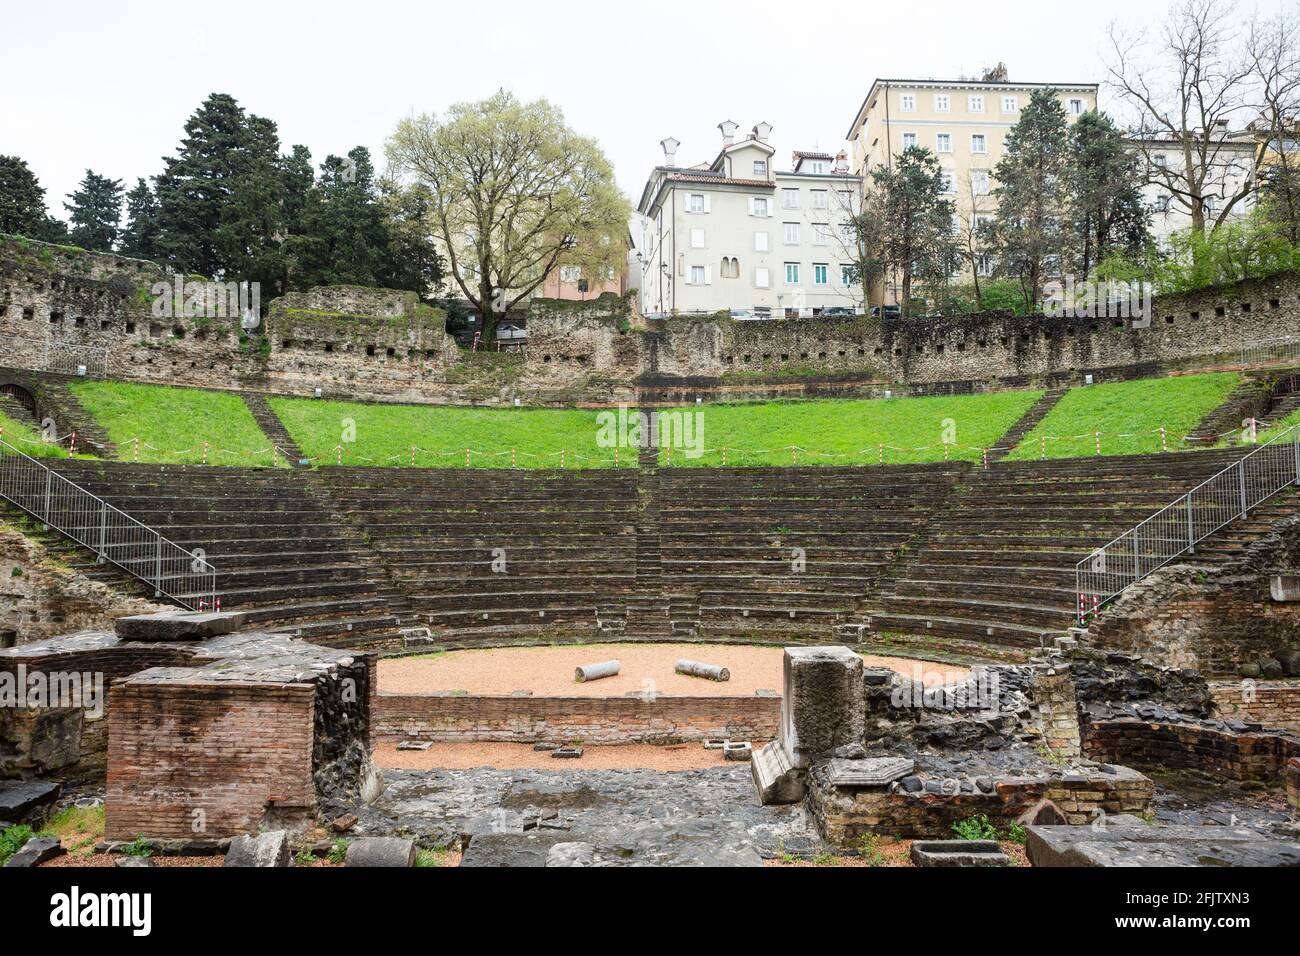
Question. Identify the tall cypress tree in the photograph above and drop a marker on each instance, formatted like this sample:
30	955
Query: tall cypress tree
140	235
1107	211
1030	231
95	212
344	238
22	204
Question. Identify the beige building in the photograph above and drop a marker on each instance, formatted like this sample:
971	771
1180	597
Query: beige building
737	234
963	122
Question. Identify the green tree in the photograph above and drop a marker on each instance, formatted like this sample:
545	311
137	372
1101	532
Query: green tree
513	190
250	235
916	234
139	238
343	239
1107	213
411	260
22	204
1029	232
94	212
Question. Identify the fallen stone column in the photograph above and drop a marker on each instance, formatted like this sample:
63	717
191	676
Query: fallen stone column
707	671
596	671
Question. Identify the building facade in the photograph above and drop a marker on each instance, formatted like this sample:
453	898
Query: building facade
736	234
1231	161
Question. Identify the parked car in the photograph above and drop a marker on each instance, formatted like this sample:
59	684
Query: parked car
891	311
838	311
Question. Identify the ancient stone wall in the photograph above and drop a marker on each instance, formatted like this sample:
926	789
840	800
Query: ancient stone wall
1218	750
559	720
1271	703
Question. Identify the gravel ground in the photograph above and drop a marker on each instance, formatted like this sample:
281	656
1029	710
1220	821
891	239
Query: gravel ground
548	671
463	756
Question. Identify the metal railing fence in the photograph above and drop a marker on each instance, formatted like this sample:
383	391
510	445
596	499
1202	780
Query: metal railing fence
173	572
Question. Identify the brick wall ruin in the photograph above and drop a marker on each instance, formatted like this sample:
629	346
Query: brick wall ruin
383	345
1271	703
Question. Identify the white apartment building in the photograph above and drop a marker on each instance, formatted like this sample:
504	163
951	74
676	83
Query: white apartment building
737	234
1232	169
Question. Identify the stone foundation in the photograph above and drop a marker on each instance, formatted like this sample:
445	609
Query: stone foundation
1271	703
1245	754
593	720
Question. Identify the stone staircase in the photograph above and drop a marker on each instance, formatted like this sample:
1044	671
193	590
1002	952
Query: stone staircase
15	410
648	613
1025	424
269	422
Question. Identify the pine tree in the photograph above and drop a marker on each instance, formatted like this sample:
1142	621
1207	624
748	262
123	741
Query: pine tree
94	212
1030	231
411	260
343	238
139	238
22	204
917	238
1108	214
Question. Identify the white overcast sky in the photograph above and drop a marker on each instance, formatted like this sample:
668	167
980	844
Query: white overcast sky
109	86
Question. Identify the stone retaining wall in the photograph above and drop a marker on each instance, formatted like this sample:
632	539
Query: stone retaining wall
1248	755
1271	703
593	720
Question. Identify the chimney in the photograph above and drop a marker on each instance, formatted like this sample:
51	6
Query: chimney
728	131
762	131
670	150
841	162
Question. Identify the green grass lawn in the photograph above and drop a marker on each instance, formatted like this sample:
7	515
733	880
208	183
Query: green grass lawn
173	423
28	441
1128	414
1277	428
849	432
383	435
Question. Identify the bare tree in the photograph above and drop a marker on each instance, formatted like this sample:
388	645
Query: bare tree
972	219
1185	101
860	240
1273	50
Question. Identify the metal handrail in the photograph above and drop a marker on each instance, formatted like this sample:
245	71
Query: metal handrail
182	576
1177	528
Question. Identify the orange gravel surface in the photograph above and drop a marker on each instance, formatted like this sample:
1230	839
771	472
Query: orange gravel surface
464	756
548	671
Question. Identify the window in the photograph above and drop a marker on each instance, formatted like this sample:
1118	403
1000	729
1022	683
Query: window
759	206
762	278
975	104
1161	160
696	202
984	264
819	199
730	267
760	167
949	182
817	166
697	238
941	102
943	142
979	182
760	242
978	144
1076	107
792	273
848	275
1009	104
821	233
698	275
982	221
791	233
570	273
1162	204
789	199
907	103
821	273
846	199
847	234
909	140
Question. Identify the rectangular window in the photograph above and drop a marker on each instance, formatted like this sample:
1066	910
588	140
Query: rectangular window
941	102
907	103
846	199
1076	107
909	140
848	275
949	182
697	275
978	144
760	207
791	232
818	198
943	142
762	278
696	202
789	199
975	104
792	273
760	242
984	264
1161	160
697	238
1009	104
570	273
821	233
1162	204
979	182
760	167
821	273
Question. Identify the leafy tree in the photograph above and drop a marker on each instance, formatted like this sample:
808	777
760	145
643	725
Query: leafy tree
512	191
95	212
861	240
917	220
139	238
1107	210
1029	232
22	204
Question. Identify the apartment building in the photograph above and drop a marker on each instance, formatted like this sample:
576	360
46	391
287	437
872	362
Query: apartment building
963	122
1232	170
738	234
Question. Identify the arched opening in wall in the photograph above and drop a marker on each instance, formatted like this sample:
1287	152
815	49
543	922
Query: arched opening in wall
16	394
